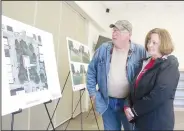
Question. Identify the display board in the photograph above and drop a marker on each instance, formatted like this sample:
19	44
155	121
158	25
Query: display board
29	69
79	58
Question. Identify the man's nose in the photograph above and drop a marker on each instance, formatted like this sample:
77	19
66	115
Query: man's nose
114	34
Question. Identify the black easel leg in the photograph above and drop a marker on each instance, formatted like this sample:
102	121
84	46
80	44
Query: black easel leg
95	114
59	99
13	115
49	116
75	109
53	113
81	109
72	105
12	121
89	111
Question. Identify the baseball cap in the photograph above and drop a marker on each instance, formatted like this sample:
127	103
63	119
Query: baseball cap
122	25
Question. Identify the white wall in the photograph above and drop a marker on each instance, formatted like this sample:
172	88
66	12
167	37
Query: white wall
97	17
93	35
95	11
146	17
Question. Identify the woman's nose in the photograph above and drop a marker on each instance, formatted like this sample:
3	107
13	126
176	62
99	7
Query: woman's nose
150	44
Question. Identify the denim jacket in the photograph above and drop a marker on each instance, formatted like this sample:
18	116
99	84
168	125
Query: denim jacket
98	70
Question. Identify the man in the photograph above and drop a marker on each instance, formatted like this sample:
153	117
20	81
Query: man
113	67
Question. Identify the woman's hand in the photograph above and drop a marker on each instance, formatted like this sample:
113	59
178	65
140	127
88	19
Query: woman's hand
129	113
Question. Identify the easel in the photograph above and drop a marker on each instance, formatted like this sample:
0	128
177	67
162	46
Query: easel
59	99
50	119
12	117
81	94
20	110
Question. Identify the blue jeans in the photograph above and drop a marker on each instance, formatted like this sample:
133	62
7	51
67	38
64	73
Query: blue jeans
114	117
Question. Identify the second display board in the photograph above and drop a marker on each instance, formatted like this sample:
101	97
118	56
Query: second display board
79	58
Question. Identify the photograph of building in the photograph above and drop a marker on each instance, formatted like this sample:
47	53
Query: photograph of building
24	61
85	55
78	73
79	58
75	51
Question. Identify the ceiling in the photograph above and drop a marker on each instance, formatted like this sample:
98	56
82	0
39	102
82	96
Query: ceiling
114	5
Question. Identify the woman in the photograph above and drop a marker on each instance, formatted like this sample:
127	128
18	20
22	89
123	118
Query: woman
153	90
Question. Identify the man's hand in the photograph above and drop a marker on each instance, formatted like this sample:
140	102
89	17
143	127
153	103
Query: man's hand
129	114
92	98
